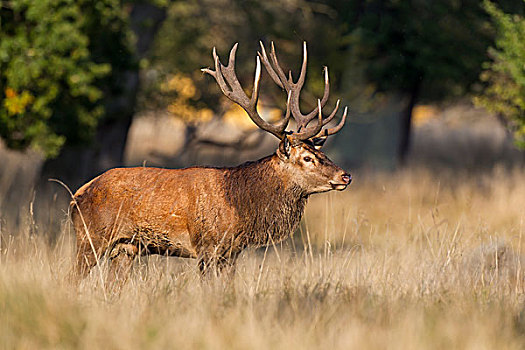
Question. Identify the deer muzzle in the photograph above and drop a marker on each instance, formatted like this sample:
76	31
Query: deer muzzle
341	181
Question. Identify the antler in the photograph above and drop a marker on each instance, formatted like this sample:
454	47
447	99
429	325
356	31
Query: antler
335	129
294	90
230	86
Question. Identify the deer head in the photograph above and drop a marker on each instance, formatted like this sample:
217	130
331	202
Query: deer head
299	151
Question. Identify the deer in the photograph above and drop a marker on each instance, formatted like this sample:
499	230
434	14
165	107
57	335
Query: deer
212	213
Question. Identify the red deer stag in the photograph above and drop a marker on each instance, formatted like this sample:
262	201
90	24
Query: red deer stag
207	213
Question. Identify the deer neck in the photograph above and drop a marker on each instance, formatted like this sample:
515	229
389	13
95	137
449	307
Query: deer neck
266	179
267	199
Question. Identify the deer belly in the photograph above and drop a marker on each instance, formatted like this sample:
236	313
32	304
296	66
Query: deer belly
172	241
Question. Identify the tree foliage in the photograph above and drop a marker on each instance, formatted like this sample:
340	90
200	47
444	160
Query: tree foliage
195	26
56	60
63	63
504	75
436	45
420	49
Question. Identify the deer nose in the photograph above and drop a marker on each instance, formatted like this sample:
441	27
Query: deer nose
347	178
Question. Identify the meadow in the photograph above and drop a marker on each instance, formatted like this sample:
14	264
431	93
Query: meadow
425	251
406	260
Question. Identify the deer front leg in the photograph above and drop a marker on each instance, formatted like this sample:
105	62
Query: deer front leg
226	266
121	261
218	265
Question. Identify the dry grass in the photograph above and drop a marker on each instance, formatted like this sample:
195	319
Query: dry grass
408	260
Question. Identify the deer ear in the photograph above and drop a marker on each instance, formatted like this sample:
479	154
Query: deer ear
284	148
319	141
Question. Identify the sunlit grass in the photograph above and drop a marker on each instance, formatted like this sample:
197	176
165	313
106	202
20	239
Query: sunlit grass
407	260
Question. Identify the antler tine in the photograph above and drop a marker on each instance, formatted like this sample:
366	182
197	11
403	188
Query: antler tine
324	99
335	129
233	52
218	75
332	115
301	119
230	86
268	66
284	122
278	76
256	80
273	56
313	130
231	77
302	75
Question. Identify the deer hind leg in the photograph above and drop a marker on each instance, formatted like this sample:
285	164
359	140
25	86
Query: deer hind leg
85	260
121	260
88	252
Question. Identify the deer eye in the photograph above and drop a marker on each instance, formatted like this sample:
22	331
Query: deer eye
307	159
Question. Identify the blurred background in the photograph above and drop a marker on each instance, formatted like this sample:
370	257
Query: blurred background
90	85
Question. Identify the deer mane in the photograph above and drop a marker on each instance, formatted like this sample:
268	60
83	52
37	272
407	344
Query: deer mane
270	212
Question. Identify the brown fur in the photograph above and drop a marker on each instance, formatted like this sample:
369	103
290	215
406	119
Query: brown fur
207	213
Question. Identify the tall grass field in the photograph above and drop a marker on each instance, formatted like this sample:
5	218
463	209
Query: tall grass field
406	260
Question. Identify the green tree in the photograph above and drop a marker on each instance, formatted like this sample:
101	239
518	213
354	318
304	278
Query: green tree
69	76
504	75
49	77
425	51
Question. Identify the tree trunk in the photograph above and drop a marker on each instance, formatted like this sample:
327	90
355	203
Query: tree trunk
406	123
74	166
